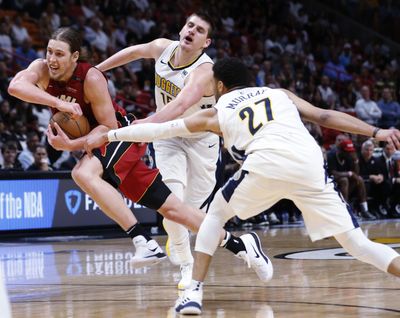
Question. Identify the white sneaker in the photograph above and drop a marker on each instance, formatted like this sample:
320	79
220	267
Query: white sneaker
186	274
147	253
190	303
255	257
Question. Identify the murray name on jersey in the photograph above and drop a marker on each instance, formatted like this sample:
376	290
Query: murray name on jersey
235	101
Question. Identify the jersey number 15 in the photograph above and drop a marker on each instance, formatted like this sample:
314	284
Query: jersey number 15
258	114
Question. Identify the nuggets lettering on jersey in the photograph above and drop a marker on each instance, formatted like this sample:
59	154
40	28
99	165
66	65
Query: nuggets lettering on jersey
170	80
168	89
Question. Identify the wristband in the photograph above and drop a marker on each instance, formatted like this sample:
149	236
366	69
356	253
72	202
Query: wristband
375	132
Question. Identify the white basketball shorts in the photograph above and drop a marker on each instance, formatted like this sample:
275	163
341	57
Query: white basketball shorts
190	161
324	211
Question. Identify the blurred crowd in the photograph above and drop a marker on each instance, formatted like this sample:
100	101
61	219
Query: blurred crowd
284	44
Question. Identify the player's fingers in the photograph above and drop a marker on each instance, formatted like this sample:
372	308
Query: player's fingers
60	132
395	141
49	131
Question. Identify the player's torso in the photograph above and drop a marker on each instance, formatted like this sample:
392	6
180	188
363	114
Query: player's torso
263	127
258	118
170	80
73	91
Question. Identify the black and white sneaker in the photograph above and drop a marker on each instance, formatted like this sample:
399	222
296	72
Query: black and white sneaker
190	303
147	252
255	257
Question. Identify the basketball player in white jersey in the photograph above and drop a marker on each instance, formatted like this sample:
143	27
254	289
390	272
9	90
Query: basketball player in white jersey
262	128
183	85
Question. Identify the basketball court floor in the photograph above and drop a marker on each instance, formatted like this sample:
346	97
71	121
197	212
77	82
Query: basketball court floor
88	278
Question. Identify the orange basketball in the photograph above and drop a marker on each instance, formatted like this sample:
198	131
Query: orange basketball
73	128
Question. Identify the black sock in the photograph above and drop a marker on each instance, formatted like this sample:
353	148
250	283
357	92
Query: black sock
235	244
136	230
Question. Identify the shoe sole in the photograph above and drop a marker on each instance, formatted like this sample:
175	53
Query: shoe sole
191	310
146	261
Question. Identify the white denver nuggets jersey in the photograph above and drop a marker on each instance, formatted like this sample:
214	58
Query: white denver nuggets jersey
170	80
262	126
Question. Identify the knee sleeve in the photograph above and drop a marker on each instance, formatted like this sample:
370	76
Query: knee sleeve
208	237
363	249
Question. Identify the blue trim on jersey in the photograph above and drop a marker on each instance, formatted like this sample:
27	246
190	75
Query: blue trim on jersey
336	188
232	184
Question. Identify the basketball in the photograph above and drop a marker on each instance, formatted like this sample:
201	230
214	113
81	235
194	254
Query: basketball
73	128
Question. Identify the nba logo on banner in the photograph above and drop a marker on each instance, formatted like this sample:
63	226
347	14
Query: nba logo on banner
73	200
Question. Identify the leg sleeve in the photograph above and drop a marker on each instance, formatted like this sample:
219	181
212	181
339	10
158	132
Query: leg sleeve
208	237
363	249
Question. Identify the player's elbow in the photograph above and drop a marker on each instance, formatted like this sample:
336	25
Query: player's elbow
14	88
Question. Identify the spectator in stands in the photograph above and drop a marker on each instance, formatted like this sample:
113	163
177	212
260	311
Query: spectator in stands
346	55
395	180
6	48
335	71
96	36
52	15
343	166
347	99
326	91
390	110
72	160
41	161
26	157
25	54
9	153
377	184
43	115
20	134
366	109
119	35
18	32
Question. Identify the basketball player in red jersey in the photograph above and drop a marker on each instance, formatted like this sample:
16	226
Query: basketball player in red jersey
64	83
67	84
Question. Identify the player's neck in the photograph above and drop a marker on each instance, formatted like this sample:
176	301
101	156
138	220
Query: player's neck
69	74
181	57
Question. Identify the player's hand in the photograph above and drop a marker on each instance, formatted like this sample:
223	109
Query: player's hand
95	140
392	136
72	108
58	140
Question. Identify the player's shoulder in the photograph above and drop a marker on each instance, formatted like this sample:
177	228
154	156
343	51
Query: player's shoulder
94	74
161	44
39	65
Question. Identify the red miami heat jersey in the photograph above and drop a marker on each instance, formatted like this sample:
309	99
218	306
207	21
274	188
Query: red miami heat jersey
72	91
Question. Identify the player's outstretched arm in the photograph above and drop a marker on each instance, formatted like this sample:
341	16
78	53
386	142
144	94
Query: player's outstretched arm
343	122
205	120
152	49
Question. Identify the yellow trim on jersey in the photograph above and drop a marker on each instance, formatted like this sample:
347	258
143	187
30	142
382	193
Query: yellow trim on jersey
177	68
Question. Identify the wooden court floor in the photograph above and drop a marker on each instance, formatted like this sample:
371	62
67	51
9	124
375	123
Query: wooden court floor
92	278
